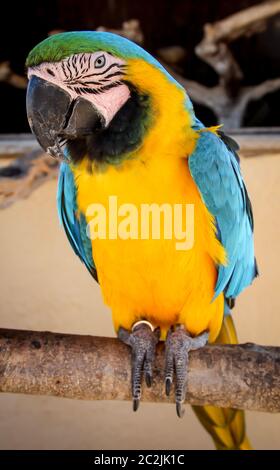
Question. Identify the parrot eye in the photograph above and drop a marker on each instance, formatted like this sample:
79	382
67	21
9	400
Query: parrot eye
50	72
99	62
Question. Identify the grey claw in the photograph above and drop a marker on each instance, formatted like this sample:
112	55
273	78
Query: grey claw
135	404
148	379
168	383
124	336
143	342
179	409
177	347
148	368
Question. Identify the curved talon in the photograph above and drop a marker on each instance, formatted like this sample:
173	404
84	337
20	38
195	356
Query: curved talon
168	383
143	340
169	365
135	404
178	345
148	379
179	409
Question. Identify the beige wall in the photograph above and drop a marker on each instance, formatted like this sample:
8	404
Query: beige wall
43	286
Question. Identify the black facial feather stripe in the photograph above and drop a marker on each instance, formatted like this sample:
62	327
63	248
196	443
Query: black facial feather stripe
96	91
81	59
64	71
115	74
80	82
74	62
69	68
111	85
90	82
85	62
88	64
120	66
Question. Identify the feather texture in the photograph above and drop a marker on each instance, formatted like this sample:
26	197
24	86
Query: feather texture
216	171
73	222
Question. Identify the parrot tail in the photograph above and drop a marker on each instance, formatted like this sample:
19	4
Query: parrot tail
225	425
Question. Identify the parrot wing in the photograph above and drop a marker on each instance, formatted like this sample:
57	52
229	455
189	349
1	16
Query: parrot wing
74	223
214	166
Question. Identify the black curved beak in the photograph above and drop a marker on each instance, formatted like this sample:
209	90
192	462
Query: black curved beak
54	117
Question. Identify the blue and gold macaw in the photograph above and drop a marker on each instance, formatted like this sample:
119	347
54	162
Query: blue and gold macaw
123	126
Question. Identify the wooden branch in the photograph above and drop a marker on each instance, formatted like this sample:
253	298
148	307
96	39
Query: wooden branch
230	99
258	91
24	174
19	179
94	368
17	144
172	55
221	59
10	77
245	22
257	141
213	48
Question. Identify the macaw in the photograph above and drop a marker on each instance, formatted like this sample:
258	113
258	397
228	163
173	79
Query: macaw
122	125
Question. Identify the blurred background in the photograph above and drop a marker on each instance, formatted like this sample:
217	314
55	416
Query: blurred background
227	55
164	24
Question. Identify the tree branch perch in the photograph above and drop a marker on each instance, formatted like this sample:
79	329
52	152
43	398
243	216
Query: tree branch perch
94	368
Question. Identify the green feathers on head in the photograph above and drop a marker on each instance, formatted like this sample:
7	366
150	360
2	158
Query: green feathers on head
62	45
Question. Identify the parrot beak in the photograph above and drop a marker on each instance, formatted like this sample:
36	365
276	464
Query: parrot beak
54	117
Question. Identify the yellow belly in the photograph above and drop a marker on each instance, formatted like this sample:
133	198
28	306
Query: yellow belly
151	279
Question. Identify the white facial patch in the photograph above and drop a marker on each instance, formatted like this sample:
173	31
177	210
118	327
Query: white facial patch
96	77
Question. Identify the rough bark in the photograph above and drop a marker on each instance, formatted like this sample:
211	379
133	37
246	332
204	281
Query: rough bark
19	179
245	22
94	368
229	99
213	48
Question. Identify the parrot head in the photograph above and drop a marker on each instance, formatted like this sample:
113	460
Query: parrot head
95	94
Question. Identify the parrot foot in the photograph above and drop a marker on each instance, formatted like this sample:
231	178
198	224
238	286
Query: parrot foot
177	347
143	340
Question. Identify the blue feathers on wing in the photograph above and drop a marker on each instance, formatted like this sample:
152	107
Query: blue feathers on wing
214	165
73	223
